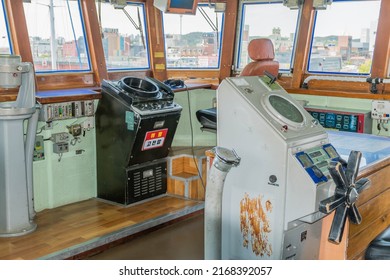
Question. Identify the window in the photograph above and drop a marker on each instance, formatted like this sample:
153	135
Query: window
57	37
193	41
5	45
268	20
124	37
344	37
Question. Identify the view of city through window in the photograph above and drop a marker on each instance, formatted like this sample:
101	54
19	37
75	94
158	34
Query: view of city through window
344	37
193	41
4	39
268	20
123	35
56	35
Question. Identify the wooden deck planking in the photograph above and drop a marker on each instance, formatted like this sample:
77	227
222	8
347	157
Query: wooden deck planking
74	224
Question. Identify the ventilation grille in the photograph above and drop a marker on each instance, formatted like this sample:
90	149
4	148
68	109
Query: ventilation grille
146	181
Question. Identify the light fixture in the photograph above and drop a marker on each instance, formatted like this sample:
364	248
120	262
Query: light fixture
321	4
293	4
219	7
119	4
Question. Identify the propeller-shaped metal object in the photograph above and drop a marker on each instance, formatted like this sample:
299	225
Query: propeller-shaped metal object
346	194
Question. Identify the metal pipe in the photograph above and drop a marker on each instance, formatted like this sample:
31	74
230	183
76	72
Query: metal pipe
29	148
224	160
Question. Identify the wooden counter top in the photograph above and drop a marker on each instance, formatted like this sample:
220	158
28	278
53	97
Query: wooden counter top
64	95
76	94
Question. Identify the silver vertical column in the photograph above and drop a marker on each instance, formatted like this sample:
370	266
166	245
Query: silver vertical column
16	201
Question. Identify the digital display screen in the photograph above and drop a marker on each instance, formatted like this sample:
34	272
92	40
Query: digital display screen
315	154
331	152
181	4
305	160
322	164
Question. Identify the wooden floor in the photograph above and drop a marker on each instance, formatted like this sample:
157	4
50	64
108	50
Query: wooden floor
69	231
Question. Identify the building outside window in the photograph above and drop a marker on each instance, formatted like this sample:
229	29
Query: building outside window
193	41
344	38
265	19
57	37
123	35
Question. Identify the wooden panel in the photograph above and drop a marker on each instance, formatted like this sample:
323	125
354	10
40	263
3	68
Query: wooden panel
177	165
376	217
94	36
355	87
70	225
380	61
156	41
18	28
176	187
328	250
303	43
374	207
229	36
200	76
65	81
8	94
196	190
190	166
338	94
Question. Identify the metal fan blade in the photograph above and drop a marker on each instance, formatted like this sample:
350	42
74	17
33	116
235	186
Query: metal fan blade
354	215
338	224
331	203
337	173
353	166
362	184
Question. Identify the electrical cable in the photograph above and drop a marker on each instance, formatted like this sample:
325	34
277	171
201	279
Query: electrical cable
192	138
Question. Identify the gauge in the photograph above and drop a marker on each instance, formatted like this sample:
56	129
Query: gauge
285	111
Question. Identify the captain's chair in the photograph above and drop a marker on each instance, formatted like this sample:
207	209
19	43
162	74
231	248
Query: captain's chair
261	51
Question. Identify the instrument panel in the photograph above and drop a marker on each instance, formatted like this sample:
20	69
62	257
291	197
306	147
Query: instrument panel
316	161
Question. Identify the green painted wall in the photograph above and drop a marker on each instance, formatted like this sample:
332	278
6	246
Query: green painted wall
71	179
198	99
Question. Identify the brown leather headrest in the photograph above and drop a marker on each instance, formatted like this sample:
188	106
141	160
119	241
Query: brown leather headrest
261	49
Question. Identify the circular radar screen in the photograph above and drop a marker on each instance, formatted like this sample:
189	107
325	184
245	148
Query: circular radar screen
286	109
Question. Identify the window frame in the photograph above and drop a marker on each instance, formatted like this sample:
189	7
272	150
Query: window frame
87	48
220	36
240	22
307	71
146	37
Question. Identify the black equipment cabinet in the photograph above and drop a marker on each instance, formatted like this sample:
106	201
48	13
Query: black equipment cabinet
136	120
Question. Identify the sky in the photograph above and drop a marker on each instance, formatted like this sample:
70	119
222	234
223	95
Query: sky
360	13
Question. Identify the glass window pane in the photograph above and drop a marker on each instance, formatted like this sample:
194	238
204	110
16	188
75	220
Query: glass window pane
124	37
344	37
5	46
57	37
268	20
193	41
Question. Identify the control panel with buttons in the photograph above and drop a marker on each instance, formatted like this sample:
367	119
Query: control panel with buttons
316	161
380	110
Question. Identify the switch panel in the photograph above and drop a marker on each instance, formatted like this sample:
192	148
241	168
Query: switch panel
39	148
60	137
380	110
60	148
67	110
